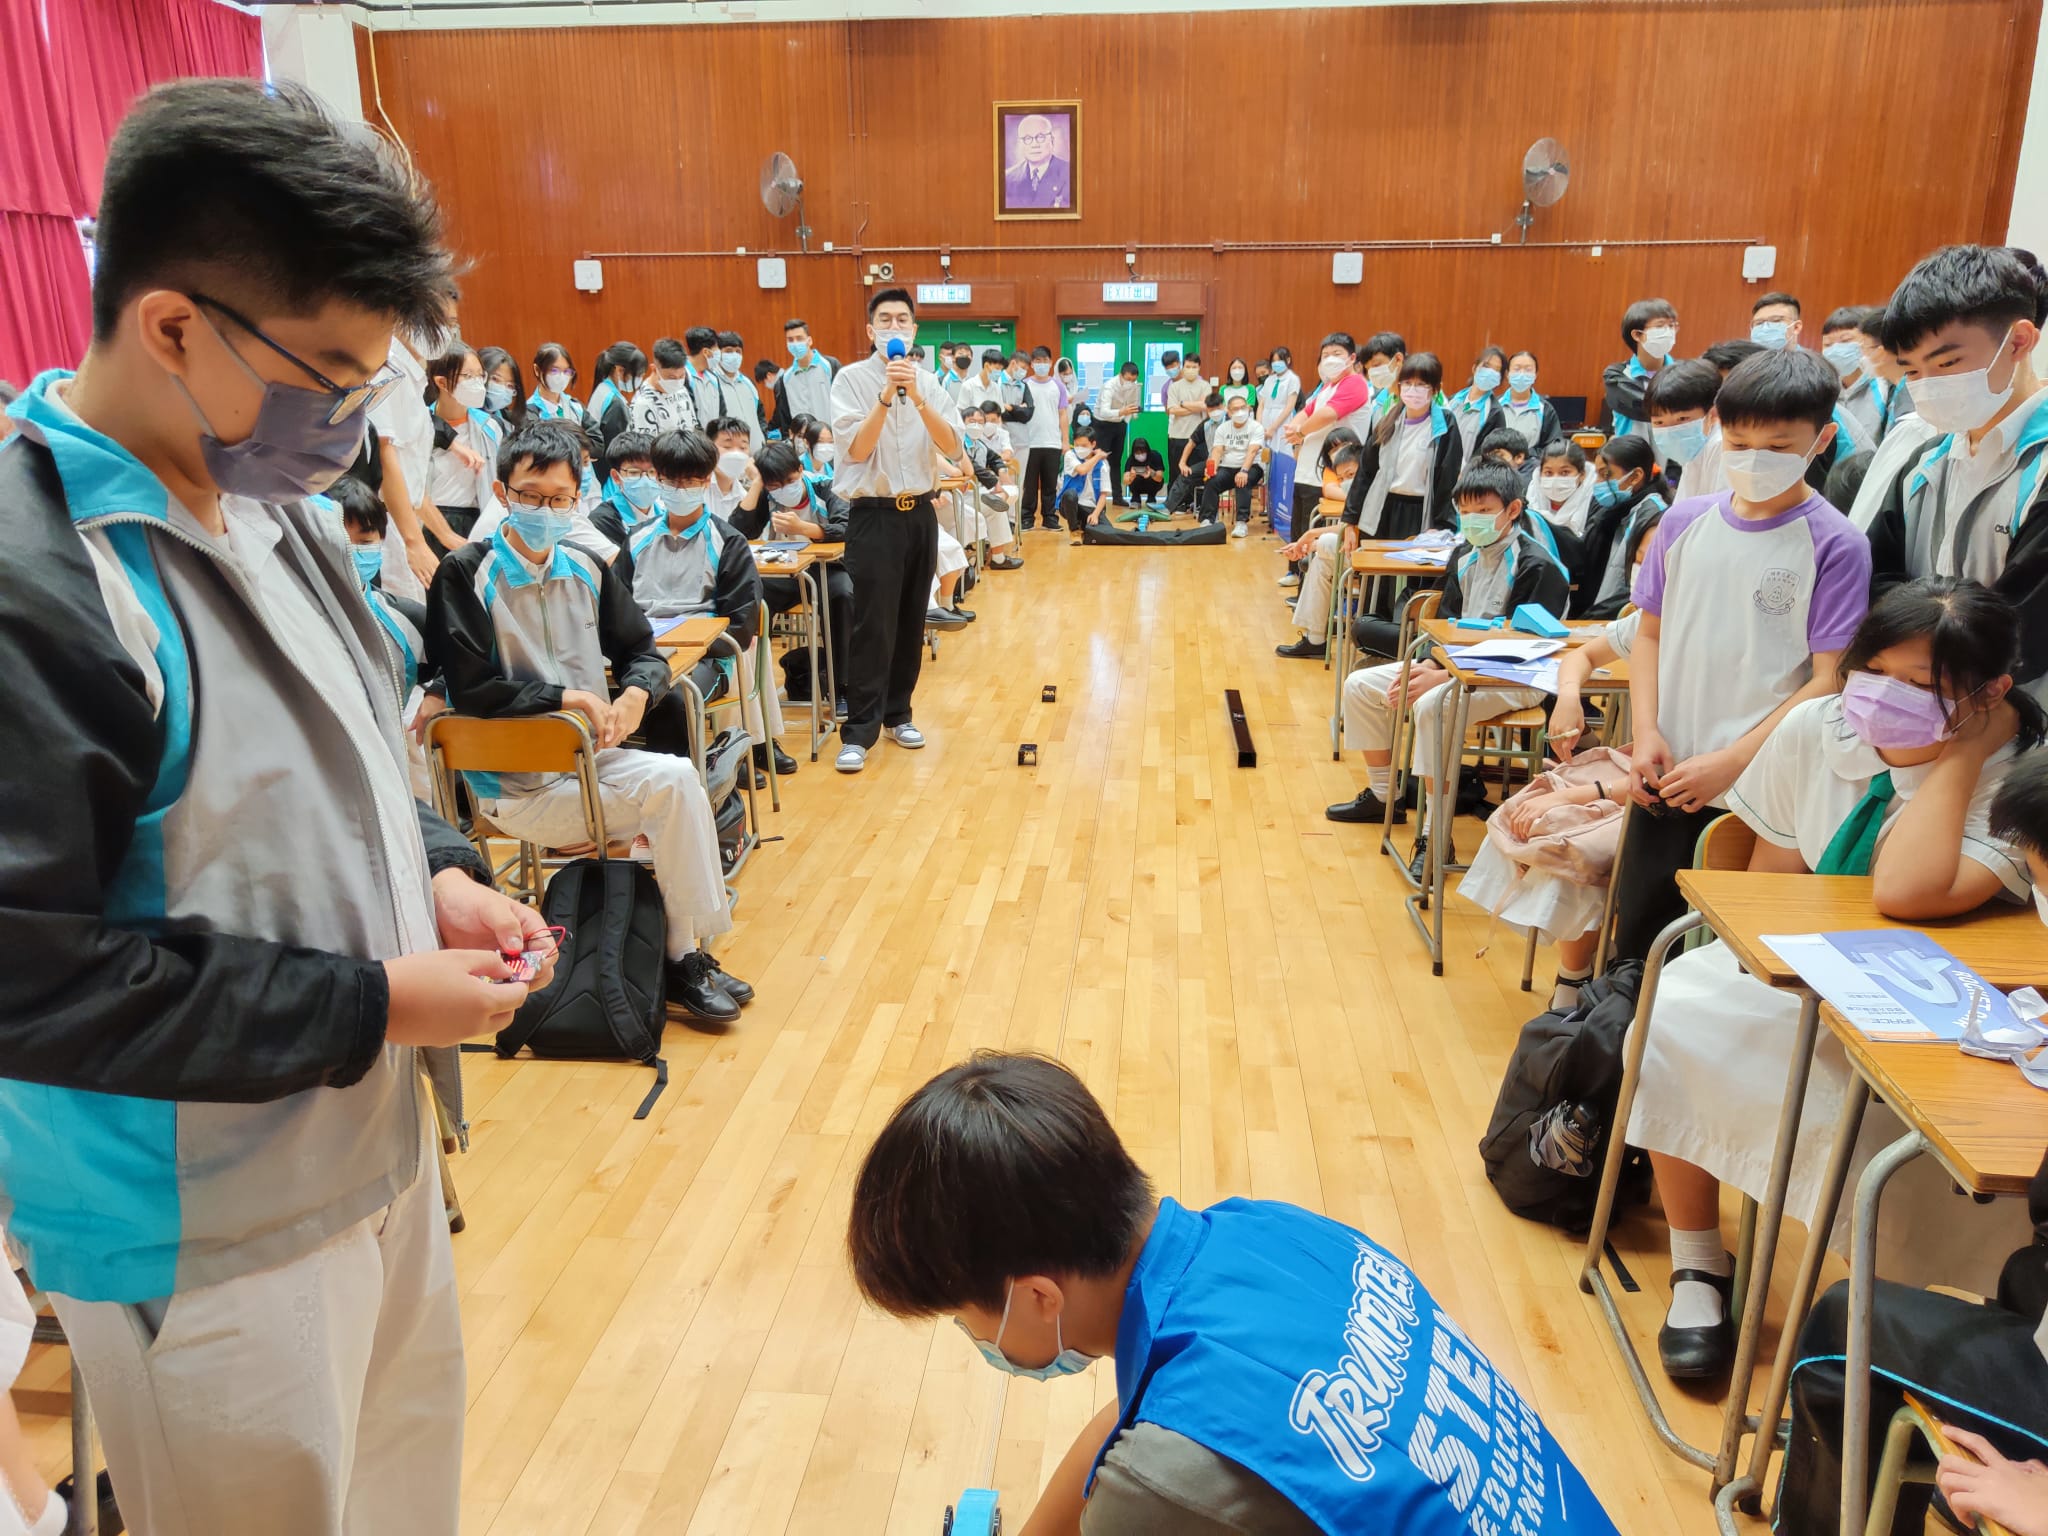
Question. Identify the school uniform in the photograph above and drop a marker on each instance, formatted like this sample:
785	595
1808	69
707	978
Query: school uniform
1720	1041
617	518
1705	474
564	409
608	414
705	395
1275	405
463	494
511	636
1474	415
1312	598
1280	1372
1625	383
1350	397
1039	438
1904	442
1121	402
1571	512
992	502
782	593
221	904
1081	491
664	405
1235	449
738	398
1863	403
1743	606
1535	418
404	420
805	389
1614	535
1404	485
1980	513
1478	584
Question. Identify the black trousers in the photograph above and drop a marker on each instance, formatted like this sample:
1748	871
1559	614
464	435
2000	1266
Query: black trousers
461	519
1975	1366
1146	484
1109	437
666	727
1657	846
892	553
1226	480
783	593
1038	488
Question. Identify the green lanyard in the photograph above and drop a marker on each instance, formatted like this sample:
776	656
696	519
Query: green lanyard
1853	847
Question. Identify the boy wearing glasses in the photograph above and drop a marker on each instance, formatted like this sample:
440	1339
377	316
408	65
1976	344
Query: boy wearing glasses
525	624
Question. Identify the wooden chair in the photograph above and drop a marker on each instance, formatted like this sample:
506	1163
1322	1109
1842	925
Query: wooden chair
553	743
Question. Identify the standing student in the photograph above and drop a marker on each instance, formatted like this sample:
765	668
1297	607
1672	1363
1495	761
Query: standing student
1748	598
504	387
405	445
1119	406
1474	411
1680	402
1234	450
664	403
1342	401
466	439
894	421
1276	399
1160	383
737	398
1187	407
1966	327
700	372
1522	408
244	918
1863	393
1039	437
1879	363
1649	329
1411	460
805	387
553	374
1774	322
1238	383
621	369
1380	360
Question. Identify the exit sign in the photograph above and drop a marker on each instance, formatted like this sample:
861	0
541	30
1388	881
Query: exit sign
945	293
1130	293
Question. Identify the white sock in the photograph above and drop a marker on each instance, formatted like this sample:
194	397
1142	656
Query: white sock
52	1521
1379	779
1695	1304
1565	994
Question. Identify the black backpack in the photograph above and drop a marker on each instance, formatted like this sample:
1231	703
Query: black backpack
608	999
1547	1141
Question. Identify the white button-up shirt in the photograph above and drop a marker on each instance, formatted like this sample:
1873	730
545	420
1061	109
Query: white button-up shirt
904	459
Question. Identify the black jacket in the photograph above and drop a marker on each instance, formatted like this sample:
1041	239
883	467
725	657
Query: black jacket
1440	507
736	595
1603	526
782	419
826	510
1538	579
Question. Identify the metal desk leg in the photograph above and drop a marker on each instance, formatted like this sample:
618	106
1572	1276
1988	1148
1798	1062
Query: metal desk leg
825	642
1450	768
700	745
84	1517
1862	1285
1342	656
1591	1280
814	580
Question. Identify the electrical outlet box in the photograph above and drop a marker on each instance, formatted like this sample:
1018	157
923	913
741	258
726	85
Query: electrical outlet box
1347	267
771	272
588	276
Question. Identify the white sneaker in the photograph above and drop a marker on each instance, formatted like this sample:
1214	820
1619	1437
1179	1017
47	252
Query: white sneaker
1290	580
1240	530
851	759
906	736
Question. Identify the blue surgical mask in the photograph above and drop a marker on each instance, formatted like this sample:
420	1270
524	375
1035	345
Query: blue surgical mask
1478	529
1486	380
539	529
1684	442
1522	380
1608	493
639	491
497	396
1771	333
730	361
799	350
1068	1362
682	501
1847	356
369	559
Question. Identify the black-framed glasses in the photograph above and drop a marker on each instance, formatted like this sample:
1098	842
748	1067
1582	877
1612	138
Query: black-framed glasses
556	504
349	398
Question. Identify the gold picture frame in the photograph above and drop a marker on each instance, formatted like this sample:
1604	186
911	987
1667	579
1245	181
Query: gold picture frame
1054	191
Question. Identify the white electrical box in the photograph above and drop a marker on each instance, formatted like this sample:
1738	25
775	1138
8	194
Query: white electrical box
1759	263
1347	267
771	272
588	276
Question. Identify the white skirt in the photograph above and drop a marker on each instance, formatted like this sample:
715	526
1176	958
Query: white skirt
1712	1085
1527	898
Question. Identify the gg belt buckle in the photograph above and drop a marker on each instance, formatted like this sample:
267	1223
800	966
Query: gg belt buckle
906	503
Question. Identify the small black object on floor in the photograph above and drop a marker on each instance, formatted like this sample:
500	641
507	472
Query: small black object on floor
1233	705
1027	754
1048	694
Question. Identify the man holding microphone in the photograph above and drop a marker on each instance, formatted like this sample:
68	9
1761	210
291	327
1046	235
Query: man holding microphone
893	422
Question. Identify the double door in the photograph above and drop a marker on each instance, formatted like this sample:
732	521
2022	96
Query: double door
1098	350
936	336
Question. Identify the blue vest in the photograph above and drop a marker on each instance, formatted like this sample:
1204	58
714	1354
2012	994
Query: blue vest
1311	1356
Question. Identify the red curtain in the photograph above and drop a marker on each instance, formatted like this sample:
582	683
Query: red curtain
62	94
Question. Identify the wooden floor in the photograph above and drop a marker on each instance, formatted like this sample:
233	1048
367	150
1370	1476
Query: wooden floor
661	1331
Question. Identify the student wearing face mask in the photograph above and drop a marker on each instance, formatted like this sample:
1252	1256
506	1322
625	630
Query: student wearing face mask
417	692
631	493
798	508
1121	400
1966	327
1187	405
1341	401
700	372
1983	1365
527	623
1039	437
247	915
1628	501
1237	383
1522	408
1234	446
1649	329
1196	462
553	374
804	388
463	468
1863	394
1562	492
1144	474
735	482
1683	432
1891	776
1274	405
737	397
504	387
820	452
664	403
1412	458
1906	435
1474	411
621	369
1774	322
1243	1337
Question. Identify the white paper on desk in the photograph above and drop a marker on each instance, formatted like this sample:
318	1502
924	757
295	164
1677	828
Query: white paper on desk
663	626
1516	650
1540	675
1436	557
1434	538
1892	983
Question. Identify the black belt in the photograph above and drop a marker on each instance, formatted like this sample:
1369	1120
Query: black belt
906	502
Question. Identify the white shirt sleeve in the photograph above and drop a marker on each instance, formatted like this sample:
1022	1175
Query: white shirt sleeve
1767	794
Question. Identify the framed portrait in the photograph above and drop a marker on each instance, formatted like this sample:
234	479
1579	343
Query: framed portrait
1038	159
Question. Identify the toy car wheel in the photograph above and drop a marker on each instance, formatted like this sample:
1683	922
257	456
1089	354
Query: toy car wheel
947	1528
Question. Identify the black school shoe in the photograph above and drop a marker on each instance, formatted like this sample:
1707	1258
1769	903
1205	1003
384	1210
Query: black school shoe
739	991
785	765
1366	809
693	987
1698	1354
1303	649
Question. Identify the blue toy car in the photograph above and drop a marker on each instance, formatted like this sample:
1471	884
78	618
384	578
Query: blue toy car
977	1514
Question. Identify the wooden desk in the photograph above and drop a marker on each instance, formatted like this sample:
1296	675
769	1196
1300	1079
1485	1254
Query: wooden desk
803	567
685	645
1446	632
1350	591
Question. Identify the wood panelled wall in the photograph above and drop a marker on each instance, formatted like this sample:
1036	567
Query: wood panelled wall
1852	134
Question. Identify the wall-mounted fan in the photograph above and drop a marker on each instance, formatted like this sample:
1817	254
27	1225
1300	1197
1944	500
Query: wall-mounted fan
782	193
1545	174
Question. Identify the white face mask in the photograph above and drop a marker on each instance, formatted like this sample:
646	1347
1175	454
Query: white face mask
1962	402
1237	418
1559	487
733	463
469	394
822	454
1758	474
1658	340
790	495
1332	368
1380	377
558	379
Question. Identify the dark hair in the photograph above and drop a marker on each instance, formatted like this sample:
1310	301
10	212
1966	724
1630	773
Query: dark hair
1019	356
700	338
1038	352
765	367
1638	316
541	445
1423	366
2019	811
1130	366
1238	362
1850	317
1525	352
1792	385
998	1167
670	353
628	445
360	506
1084	432
1189	357
255	195
883	296
1343	454
494	358
1991	286
1846	478
1338	440
1871	322
546	356
1563	448
1282	353
1501	440
718	425
1338	339
813	428
1973	638
730	339
1213	399
1774	297
778	462
622	354
794	324
1142	450
1633	454
1486	352
1385	344
1724	355
1687	386
444	371
684	455
1488	477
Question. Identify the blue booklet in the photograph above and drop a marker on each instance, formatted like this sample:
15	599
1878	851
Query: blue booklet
1893	983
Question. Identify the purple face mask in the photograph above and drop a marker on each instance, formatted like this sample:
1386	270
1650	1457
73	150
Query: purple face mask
1891	715
293	450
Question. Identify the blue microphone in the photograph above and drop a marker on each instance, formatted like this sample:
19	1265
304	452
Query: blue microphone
894	350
